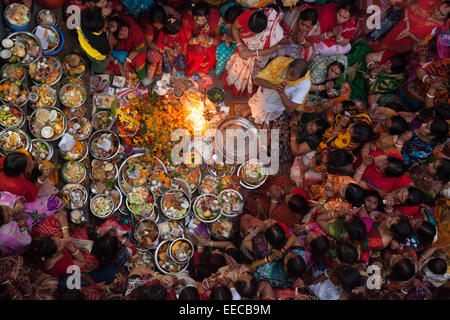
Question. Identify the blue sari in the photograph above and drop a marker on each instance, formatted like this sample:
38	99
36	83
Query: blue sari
416	149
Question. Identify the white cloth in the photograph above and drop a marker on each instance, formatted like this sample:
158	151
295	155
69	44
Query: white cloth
325	290
266	104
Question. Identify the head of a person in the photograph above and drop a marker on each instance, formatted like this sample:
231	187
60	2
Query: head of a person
237	255
157	16
434	129
71	294
308	19
391	167
355	228
317	127
257	22
171	26
338	160
297	204
437	266
15	164
335	70
200	12
276	236
220	292
442	12
119	28
410	196
349	278
342	106
92	20
294	266
296	69
246	286
396	64
317	244
232	13
425	231
401	268
199	272
105	249
345	11
362	132
214	261
189	293
395	125
400	228
441	169
47	247
373	200
353	194
153	292
347	253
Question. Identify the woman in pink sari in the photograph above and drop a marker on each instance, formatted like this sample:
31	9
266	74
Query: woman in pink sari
257	34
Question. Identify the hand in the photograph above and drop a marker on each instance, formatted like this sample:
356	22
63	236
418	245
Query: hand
405	33
299	283
276	255
436	83
119	283
245	53
326	104
46	171
19	206
344	121
329	85
281	89
375	216
265	225
276	192
166	281
203	242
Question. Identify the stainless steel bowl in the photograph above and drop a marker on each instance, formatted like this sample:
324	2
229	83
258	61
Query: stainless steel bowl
58	38
137	229
49	147
181	240
64	167
21	121
16	131
14	64
156	259
144	214
82	62
24	87
229	214
55	95
90	131
54	61
47	12
79	87
110	212
98	133
164	211
33	115
195	205
23	36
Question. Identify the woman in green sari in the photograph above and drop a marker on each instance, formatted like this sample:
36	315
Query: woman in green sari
371	73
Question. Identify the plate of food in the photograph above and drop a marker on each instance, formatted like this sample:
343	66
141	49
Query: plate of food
232	202
26	48
17	14
159	182
47	17
102	206
47	96
178	184
78	152
104	101
181	250
192	160
74	112
210	185
99	83
222	229
207	208
73	66
13	92
119	81
192	176
141	259
13	72
47	123
218	168
72	95
146	234
49	38
253	174
104	144
164	262
102	120
74	80
13	139
103	170
175	205
135	172
41	149
74	196
108	188
73	172
11	116
171	230
47	70
79	127
140	201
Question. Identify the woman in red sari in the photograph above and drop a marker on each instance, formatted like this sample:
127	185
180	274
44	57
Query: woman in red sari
128	44
420	21
54	249
201	26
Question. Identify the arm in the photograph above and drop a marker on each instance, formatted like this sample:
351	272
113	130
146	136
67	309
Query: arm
265	84
61	216
235	31
221	244
265	291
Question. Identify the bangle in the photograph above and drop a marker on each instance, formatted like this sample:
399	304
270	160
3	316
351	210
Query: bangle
370	63
339	40
107	289
326	37
123	241
326	274
360	171
266	259
274	201
64	228
76	252
398	144
39	180
302	42
430	96
129	60
424	77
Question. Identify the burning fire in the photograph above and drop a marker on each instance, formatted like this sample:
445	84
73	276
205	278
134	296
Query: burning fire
195	104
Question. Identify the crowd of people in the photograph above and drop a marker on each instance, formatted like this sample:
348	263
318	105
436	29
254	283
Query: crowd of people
363	116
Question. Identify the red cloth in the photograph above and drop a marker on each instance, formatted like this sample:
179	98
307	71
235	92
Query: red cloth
165	40
17	185
302	193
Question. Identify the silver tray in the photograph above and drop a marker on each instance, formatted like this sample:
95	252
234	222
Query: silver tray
246	184
21	35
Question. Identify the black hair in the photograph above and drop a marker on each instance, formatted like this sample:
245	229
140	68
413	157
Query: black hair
2	217
398	126
437	266
232	13
276	236
319	246
189	293
157	14
394	106
4	292
439	130
44	248
92	20
426	233
298	204
237	255
153	292
338	159
247	289
105	249
356	229
363	133
349	278
214	262
322	126
415	197
401	230
375	194
443	170
220	293
199	272
309	14
298	68
257	22
15	164
70	294
171	26
295	266
347	253
200	9
402	270
348	5
354	194
120	24
338	64
396	167
399	63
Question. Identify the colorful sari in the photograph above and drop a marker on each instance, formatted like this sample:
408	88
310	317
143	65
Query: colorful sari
239	73
419	13
358	75
134	42
416	149
201	58
51	227
441	212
